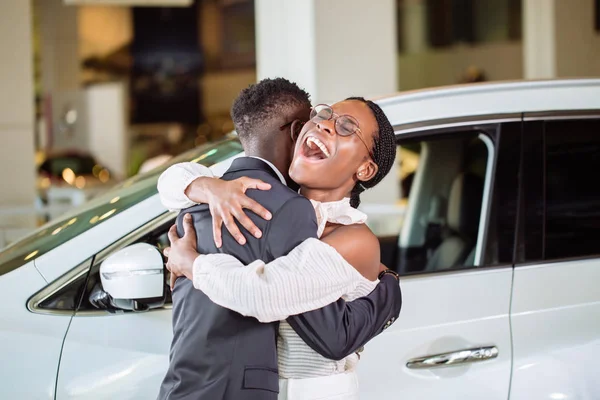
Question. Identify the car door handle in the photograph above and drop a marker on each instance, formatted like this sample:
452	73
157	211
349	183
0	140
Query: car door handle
454	358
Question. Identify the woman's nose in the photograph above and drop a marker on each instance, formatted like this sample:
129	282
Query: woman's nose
327	126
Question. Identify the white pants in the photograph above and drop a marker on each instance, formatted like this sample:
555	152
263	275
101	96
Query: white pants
333	387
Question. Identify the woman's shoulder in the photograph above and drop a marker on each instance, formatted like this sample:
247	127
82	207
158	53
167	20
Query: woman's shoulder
359	246
359	232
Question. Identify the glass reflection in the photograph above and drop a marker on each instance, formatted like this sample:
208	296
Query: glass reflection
30	255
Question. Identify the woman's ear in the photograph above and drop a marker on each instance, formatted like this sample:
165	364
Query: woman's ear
367	171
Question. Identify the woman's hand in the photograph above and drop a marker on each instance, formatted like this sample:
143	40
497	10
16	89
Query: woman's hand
182	253
382	268
227	200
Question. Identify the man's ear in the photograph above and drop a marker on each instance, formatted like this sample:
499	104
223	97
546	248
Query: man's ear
367	171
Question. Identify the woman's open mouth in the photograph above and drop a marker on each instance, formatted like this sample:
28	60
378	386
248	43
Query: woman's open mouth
314	149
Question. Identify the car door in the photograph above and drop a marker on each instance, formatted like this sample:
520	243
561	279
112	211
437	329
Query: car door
555	313
30	343
452	338
110	354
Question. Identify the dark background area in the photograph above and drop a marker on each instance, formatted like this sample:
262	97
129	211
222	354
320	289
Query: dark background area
167	63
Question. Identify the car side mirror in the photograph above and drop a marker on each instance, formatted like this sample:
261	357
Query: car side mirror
134	277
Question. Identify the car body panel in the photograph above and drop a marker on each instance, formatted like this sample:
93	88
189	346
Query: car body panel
30	344
443	313
52	264
556	330
112	356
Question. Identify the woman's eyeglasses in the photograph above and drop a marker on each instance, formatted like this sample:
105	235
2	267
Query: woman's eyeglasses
345	125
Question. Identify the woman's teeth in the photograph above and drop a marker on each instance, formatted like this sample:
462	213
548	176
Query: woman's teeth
313	141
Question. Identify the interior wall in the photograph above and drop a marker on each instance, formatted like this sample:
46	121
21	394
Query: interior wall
348	60
210	32
220	88
103	29
577	41
107	120
499	61
16	114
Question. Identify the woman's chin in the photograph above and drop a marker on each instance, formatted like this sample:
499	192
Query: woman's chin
297	176
303	170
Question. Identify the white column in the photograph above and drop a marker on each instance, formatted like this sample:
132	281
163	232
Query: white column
539	39
60	66
332	48
17	181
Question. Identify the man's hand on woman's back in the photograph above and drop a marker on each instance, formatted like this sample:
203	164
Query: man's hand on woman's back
182	252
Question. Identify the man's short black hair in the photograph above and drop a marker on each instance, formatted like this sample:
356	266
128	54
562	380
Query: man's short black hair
260	102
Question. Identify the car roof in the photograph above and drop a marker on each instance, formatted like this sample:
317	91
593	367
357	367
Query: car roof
491	99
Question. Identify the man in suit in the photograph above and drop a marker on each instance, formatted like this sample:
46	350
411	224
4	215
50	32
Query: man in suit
219	354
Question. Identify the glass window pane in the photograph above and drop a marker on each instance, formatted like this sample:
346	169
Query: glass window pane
572	211
66	298
434	223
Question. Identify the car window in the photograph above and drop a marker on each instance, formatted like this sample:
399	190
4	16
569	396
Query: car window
67	297
434	224
561	201
106	206
572	206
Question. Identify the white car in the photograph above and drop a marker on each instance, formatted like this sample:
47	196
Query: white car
499	252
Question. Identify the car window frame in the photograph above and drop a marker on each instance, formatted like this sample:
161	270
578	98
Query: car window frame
508	155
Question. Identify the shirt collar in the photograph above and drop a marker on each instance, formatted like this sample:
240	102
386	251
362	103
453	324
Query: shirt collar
274	168
337	212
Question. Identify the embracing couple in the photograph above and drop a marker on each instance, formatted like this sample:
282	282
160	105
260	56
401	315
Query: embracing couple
284	311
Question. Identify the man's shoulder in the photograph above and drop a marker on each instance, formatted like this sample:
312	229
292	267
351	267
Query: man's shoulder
279	197
195	209
274	198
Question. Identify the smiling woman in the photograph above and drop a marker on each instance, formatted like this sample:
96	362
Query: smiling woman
329	163
104	207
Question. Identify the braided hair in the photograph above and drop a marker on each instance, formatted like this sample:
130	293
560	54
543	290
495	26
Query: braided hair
384	151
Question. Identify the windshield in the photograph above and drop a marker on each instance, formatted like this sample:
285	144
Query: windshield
106	206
